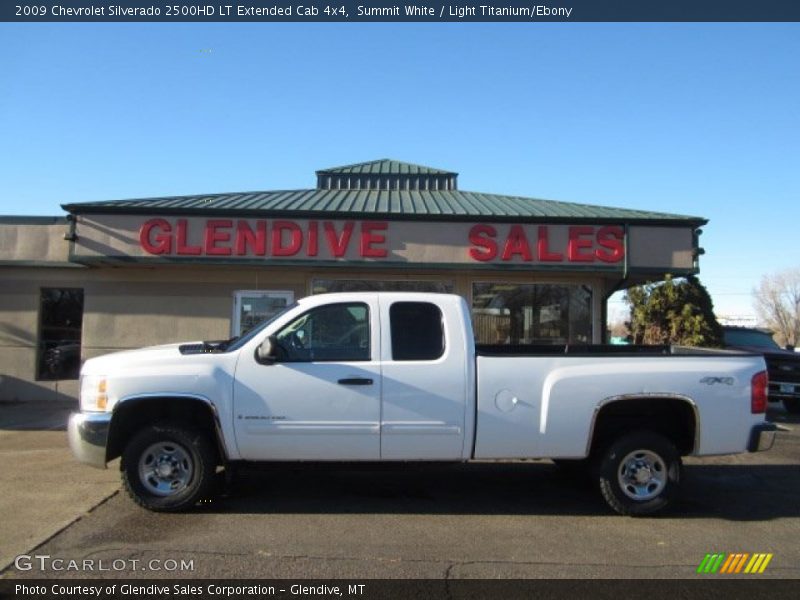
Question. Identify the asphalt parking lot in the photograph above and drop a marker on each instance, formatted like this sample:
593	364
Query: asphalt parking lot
508	520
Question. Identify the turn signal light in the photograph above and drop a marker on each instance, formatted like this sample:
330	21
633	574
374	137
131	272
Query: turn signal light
94	393
758	393
102	397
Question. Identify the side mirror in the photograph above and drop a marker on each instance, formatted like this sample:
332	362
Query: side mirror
265	353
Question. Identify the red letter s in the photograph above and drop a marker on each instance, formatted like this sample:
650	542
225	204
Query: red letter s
480	235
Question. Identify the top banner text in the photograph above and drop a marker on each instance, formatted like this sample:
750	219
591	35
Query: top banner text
419	11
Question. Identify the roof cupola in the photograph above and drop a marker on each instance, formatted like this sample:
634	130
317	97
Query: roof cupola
386	174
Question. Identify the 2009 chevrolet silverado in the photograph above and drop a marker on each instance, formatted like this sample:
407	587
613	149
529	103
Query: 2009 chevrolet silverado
397	377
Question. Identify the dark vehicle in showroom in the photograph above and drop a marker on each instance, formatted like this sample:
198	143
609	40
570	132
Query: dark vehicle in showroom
783	365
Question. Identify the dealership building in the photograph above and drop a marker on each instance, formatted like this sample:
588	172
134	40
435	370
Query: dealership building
123	274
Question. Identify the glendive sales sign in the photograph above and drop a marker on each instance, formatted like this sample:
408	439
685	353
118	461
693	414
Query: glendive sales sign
382	241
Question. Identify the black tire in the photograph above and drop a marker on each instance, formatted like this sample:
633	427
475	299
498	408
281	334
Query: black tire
792	406
644	454
187	458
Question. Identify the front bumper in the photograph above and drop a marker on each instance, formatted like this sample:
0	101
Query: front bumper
88	434
762	436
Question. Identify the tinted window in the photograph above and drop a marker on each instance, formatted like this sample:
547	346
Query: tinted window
749	337
334	332
60	323
417	331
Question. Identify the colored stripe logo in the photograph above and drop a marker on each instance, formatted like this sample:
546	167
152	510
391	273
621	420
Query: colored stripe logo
735	563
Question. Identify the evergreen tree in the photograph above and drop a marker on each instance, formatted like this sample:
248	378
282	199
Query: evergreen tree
673	312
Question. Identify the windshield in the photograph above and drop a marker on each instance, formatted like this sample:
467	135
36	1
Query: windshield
749	337
253	332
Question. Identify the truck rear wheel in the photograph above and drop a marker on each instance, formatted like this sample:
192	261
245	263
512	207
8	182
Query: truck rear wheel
168	467
639	473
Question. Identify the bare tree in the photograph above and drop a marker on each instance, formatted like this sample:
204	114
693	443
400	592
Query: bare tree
777	301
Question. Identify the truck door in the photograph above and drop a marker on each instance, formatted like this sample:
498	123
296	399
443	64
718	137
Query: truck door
424	382
320	399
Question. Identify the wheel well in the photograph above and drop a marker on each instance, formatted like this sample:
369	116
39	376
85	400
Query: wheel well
671	417
130	416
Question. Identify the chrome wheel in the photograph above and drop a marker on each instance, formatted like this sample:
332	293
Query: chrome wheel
642	475
165	468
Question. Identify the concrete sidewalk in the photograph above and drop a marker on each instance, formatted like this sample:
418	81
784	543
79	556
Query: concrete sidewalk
45	489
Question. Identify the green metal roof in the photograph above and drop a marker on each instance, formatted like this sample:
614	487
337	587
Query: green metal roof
386	166
450	205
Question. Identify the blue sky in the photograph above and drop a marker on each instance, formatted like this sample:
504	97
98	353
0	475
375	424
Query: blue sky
700	119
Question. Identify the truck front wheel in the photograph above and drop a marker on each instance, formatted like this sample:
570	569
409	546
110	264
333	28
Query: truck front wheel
168	467
639	473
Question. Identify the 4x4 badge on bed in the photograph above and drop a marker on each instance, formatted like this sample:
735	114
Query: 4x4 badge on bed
713	380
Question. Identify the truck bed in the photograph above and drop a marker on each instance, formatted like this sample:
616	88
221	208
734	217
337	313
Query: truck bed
542	401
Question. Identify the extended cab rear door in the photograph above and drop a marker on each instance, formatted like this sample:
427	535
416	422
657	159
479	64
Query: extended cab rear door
424	368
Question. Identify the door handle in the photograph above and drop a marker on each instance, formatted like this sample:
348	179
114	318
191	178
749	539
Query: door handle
355	381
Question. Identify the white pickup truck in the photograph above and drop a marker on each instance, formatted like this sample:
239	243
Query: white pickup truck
398	377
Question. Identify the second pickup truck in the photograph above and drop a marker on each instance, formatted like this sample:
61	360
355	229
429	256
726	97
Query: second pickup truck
398	377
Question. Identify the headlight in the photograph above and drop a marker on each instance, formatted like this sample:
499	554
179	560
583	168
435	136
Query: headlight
94	392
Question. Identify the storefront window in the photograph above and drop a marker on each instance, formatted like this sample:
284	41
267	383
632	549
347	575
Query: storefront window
510	313
251	307
326	286
60	323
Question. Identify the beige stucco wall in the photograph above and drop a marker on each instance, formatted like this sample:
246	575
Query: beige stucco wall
130	307
32	240
661	247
